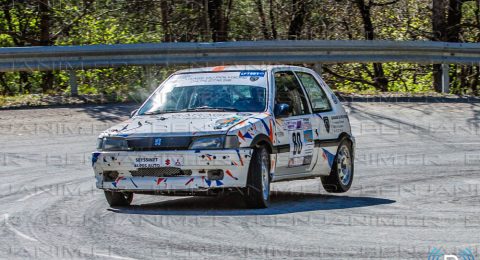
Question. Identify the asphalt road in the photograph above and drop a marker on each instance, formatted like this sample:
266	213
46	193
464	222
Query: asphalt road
416	188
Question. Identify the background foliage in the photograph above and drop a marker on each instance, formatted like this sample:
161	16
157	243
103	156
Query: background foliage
80	22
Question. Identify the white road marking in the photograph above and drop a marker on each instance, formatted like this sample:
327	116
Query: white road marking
31	195
16	231
114	256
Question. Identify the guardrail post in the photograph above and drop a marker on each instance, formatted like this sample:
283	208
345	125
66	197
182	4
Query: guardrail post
445	78
317	67
73	83
149	74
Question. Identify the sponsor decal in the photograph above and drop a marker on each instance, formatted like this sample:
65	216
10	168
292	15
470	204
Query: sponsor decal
225	122
339	117
157	141
327	124
299	125
308	136
155	162
439	254
301	147
306	123
307	160
178	163
252	73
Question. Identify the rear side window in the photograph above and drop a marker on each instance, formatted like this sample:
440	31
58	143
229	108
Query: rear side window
289	91
317	95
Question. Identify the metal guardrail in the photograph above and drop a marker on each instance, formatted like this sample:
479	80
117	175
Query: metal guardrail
247	52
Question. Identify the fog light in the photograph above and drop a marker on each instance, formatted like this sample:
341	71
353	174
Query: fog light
110	175
214	175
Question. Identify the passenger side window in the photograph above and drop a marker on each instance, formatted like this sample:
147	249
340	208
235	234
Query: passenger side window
317	95
289	91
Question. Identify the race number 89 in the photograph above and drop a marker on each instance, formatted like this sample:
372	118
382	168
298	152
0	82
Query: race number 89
297	143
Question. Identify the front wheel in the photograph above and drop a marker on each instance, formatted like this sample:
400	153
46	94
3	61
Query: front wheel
341	175
257	194
118	198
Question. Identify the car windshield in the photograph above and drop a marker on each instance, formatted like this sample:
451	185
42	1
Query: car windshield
183	96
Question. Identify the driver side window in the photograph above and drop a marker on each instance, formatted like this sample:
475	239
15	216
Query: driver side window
288	91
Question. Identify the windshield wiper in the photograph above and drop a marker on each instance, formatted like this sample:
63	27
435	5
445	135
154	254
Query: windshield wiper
212	108
157	112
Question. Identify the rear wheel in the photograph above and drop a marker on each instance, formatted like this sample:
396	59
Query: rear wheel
341	175
258	181
118	198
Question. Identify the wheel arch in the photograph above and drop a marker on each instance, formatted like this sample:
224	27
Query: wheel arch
264	140
350	138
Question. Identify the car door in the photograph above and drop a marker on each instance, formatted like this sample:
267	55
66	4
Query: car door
323	110
293	133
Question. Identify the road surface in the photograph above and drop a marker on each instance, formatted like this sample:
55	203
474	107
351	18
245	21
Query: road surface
416	188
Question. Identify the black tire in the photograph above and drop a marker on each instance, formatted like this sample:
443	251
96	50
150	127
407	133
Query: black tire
334	182
255	195
115	199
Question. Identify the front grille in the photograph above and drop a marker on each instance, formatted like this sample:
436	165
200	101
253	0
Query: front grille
159	143
161	172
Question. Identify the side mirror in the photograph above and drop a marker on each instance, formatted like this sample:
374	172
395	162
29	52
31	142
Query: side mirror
281	110
133	113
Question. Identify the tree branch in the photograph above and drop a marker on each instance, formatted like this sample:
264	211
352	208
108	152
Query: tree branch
348	78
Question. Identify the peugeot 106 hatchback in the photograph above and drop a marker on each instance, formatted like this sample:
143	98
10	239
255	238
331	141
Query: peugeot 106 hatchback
228	128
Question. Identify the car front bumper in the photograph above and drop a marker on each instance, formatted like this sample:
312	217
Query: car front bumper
119	170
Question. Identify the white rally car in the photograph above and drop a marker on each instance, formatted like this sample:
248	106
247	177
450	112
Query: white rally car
228	128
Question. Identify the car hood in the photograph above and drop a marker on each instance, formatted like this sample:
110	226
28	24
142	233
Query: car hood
176	124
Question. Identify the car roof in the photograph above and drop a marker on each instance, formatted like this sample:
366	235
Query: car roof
237	68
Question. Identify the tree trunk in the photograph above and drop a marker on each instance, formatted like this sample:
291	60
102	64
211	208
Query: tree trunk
439	34
299	9
272	21
44	12
453	28
206	22
381	82
6	89
263	20
47	81
165	11
218	21
44	26
475	81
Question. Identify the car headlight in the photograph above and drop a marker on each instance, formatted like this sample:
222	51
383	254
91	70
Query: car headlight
208	142
114	144
99	143
214	142
231	141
